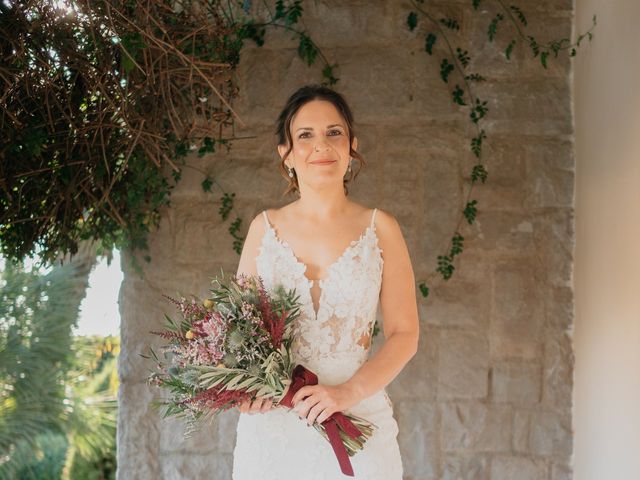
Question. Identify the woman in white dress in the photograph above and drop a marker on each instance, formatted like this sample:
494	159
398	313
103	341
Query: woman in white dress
302	246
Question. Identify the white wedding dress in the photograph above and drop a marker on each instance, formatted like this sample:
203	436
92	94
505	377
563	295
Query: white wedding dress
278	445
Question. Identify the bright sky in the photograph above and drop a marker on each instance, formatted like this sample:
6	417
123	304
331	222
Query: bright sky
99	313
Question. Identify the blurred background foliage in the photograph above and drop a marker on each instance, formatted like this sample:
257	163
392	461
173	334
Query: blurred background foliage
57	391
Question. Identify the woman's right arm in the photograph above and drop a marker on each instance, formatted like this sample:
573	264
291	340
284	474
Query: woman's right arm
247	266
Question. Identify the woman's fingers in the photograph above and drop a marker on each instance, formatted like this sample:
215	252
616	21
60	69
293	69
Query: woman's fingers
259	405
266	406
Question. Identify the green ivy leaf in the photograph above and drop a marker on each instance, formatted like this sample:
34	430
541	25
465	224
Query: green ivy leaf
476	4
470	211
208	146
479	173
463	56
478	111
424	290
533	44
509	49
206	184
457	95
306	49
543	58
429	43
475	77
327	72
519	14
445	70
412	20
445	267
226	206
476	143
493	26
450	23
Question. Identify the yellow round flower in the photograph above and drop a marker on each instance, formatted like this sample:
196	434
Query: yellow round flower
189	335
221	365
208	303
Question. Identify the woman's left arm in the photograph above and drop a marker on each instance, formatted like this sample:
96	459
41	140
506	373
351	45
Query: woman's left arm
399	312
400	327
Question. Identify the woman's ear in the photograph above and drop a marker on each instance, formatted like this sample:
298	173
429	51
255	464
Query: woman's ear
354	143
282	149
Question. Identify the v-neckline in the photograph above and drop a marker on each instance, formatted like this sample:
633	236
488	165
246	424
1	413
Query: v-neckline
328	269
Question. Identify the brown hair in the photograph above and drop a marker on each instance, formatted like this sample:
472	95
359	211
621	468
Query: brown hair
283	129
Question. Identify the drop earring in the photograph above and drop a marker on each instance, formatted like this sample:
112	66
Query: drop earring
290	172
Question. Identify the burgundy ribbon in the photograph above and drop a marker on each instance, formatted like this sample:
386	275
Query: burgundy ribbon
301	377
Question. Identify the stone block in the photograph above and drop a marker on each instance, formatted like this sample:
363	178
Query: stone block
465	467
448	308
554	231
180	466
463	364
511	467
517	383
557	380
502	231
559	308
543	433
517	317
475	427
418	439
137	431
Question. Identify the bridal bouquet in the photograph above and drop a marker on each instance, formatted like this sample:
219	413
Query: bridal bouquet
236	345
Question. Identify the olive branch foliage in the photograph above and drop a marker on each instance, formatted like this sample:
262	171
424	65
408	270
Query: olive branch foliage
100	109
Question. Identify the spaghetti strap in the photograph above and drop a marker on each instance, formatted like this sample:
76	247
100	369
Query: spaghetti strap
373	216
266	219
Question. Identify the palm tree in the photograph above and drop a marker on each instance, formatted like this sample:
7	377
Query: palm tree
38	308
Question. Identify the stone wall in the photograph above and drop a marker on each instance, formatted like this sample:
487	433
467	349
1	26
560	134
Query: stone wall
488	396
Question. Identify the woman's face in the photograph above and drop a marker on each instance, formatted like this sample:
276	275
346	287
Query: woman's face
319	134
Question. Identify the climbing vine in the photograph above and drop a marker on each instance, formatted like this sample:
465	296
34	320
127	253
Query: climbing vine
453	63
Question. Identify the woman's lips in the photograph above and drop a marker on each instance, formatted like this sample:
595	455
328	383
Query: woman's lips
323	162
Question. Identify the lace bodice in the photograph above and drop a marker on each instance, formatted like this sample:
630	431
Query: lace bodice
334	339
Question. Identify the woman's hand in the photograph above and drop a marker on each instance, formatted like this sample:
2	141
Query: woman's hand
259	405
319	402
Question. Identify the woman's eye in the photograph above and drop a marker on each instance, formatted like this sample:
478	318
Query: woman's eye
303	134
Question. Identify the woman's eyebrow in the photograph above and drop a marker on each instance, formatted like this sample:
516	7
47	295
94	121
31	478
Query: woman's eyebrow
328	126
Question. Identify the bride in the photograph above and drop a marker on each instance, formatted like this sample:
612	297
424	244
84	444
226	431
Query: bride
343	259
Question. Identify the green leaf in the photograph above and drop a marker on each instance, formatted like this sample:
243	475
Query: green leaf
445	70
306	49
543	58
479	173
476	143
509	49
478	111
519	14
327	72
493	26
450	23
457	95
412	20
429	43
206	184
476	4
463	56
475	77
470	211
